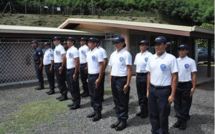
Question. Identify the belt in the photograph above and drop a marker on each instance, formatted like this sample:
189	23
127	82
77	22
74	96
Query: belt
187	82
83	64
160	87
141	74
47	65
93	74
70	69
57	63
119	76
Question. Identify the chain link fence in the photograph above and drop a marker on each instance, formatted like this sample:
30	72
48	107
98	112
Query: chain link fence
16	62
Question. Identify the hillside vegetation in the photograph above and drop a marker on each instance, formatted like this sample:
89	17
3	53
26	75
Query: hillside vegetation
189	12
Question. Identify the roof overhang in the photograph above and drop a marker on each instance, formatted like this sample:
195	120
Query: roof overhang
194	31
14	29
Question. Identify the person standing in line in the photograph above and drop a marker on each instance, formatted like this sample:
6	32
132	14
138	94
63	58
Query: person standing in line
104	54
48	62
186	87
140	61
120	75
95	63
60	67
38	63
83	66
72	75
162	76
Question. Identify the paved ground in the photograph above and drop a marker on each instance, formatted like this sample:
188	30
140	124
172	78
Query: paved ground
75	122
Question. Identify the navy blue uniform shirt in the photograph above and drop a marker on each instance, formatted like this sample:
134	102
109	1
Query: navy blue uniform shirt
38	53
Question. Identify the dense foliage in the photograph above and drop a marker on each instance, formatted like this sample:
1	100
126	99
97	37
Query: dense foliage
190	11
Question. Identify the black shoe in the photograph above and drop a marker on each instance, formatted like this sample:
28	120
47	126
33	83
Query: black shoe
84	94
50	92
97	117
59	97
91	115
70	105
183	125
39	88
177	124
142	115
122	125
114	125
74	107
139	114
63	98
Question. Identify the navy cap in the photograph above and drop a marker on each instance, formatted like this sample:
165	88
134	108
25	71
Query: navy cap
34	42
83	39
144	42
56	38
93	39
169	43
183	47
160	39
71	38
46	44
118	39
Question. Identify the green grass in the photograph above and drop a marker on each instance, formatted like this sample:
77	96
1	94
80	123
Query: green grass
56	20
31	115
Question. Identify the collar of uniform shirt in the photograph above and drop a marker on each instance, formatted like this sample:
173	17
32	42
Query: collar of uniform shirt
121	50
142	53
72	46
58	44
93	49
161	56
181	58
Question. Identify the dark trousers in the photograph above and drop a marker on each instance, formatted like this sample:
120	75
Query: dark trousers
50	77
141	84
103	86
39	74
73	86
159	109
95	93
61	79
84	75
183	101
120	98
